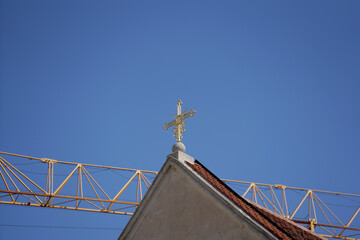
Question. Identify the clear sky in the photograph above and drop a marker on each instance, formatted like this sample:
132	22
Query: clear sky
275	85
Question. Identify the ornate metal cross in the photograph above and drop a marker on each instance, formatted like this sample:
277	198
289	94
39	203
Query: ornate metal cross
179	122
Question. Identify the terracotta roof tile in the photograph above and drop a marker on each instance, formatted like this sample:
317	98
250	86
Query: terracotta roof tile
279	226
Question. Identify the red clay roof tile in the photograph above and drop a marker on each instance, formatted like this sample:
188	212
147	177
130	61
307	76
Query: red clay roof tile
279	226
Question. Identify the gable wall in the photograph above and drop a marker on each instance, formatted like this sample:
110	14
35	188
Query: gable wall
182	209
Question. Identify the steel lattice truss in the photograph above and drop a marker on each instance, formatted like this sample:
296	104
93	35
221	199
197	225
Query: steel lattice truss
46	182
74	188
330	214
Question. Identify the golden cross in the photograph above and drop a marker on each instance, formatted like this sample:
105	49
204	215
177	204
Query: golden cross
179	122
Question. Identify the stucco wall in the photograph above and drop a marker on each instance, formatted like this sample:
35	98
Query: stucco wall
182	209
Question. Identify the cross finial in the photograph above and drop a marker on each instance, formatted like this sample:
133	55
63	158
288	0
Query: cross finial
179	122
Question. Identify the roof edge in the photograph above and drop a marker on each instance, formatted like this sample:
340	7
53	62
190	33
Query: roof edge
266	214
245	201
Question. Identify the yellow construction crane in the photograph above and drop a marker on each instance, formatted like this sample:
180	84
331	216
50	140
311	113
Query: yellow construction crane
86	192
68	185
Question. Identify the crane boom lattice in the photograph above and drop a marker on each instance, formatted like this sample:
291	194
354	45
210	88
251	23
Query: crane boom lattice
50	183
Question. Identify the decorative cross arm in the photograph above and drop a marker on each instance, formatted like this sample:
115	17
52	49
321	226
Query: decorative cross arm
178	122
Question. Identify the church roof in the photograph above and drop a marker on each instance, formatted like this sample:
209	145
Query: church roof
187	201
279	226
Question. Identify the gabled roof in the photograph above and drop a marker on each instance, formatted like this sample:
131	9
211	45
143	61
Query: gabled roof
187	201
279	226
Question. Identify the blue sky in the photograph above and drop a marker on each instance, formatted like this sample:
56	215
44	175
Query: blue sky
275	85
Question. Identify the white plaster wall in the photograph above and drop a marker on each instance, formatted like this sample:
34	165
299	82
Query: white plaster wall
182	209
